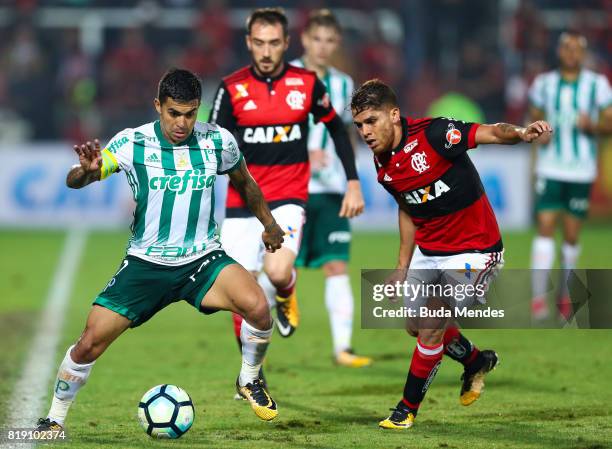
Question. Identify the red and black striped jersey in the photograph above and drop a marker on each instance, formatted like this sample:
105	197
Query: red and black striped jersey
269	117
434	181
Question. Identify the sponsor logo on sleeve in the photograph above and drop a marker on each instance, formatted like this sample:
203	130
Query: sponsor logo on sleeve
453	136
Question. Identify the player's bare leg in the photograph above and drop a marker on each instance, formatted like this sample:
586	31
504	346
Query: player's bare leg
570	250
279	266
102	328
236	290
542	259
340	306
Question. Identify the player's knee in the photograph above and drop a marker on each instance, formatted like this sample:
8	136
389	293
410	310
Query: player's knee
412	332
546	230
334	268
431	337
279	275
571	239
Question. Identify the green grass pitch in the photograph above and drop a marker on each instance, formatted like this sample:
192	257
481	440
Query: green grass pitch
552	388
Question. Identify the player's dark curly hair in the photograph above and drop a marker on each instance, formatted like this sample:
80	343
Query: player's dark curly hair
180	85
323	18
270	16
373	94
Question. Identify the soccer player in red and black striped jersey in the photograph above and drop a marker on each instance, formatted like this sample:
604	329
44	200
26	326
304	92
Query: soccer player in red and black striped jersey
444	210
267	105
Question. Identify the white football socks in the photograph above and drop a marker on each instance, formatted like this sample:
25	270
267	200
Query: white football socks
569	255
71	376
542	259
569	259
339	302
254	346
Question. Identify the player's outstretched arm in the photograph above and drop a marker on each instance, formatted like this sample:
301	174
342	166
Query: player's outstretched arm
89	168
250	192
507	134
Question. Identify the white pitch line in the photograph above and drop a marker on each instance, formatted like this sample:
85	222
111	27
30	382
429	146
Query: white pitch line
26	403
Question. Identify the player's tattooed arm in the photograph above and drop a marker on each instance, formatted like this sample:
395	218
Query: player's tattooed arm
89	168
251	194
507	134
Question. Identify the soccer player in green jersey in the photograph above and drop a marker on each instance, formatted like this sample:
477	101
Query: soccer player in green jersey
578	104
326	236
174	252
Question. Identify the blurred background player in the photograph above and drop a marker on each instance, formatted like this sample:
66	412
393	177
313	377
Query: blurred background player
443	208
267	105
578	104
174	252
326	236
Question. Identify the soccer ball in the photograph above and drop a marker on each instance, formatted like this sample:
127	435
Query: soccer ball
166	411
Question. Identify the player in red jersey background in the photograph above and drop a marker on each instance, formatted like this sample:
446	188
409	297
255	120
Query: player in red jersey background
444	210
267	106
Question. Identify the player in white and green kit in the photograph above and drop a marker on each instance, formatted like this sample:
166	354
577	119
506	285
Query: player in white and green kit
578	104
326	237
174	252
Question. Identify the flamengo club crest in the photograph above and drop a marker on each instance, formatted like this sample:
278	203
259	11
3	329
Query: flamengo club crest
453	136
295	100
419	162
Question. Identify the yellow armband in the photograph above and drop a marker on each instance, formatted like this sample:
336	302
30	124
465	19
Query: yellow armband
109	164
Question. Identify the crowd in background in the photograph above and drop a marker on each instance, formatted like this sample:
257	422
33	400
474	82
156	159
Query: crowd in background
53	87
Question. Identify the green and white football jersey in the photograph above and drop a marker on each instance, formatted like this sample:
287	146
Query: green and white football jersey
173	186
571	155
331	178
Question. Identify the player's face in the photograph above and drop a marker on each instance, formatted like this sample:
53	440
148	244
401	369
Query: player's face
177	119
378	128
320	43
267	45
571	52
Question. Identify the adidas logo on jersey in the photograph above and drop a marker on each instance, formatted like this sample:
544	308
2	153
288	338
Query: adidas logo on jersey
152	158
420	196
249	106
272	134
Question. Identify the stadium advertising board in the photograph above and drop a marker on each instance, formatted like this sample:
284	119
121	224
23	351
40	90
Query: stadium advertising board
33	191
